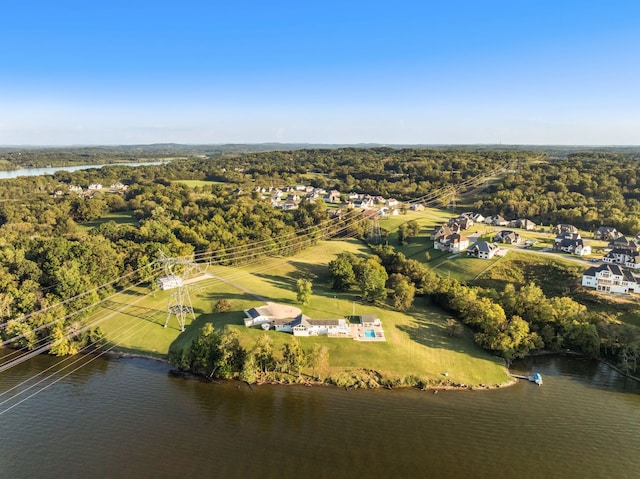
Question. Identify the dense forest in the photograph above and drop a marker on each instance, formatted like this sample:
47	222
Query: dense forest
49	255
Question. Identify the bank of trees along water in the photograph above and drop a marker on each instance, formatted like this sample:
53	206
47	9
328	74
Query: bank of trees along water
46	259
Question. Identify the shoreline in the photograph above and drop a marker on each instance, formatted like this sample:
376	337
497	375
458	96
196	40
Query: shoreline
308	383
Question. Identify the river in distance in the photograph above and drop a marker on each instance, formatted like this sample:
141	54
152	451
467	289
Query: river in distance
5	175
129	418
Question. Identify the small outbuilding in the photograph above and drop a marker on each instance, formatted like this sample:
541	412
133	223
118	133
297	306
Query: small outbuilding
169	282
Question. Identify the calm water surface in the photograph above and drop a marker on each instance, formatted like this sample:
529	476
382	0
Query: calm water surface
5	175
128	418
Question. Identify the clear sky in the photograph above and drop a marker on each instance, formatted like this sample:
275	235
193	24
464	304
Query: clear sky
429	72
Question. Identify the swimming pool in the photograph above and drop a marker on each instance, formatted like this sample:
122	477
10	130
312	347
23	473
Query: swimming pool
369	333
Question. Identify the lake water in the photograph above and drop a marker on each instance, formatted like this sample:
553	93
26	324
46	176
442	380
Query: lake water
129	418
6	175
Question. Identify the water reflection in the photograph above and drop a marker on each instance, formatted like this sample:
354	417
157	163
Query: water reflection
130	418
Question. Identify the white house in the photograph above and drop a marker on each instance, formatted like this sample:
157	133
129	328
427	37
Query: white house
571	243
315	327
453	243
256	316
277	315
609	278
94	186
369	320
624	256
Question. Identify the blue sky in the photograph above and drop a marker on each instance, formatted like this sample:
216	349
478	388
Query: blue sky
429	72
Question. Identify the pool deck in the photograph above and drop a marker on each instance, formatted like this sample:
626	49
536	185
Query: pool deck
357	332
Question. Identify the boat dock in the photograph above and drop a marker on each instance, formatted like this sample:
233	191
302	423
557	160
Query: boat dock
536	378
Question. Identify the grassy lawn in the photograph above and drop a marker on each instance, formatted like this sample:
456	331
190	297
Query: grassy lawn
120	217
463	268
416	344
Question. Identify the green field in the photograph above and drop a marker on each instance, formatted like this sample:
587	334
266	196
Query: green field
120	217
417	343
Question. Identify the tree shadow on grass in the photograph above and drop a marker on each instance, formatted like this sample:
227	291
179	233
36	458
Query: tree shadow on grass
148	314
309	271
429	329
284	282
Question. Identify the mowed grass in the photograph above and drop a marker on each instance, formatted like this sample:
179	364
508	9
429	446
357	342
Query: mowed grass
417	343
119	217
464	268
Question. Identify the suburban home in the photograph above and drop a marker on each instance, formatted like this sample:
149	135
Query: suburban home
169	282
369	320
563	229
475	217
291	203
271	314
627	257
507	236
482	249
384	211
572	245
364	202
256	316
444	230
623	242
463	222
524	224
315	327
453	243
496	220
610	278
289	319
606	233
332	197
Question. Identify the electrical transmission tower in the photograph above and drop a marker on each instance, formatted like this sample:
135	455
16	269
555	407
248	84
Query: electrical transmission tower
177	271
373	234
452	199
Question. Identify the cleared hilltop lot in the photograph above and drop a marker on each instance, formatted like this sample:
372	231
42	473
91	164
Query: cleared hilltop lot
417	341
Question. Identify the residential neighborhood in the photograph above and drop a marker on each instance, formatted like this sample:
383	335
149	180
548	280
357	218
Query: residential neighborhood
454	237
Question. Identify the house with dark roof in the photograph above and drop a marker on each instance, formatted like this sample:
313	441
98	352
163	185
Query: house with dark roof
462	222
609	278
316	327
622	242
524	224
482	249
496	220
256	316
630	258
572	245
443	230
507	237
606	233
562	229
